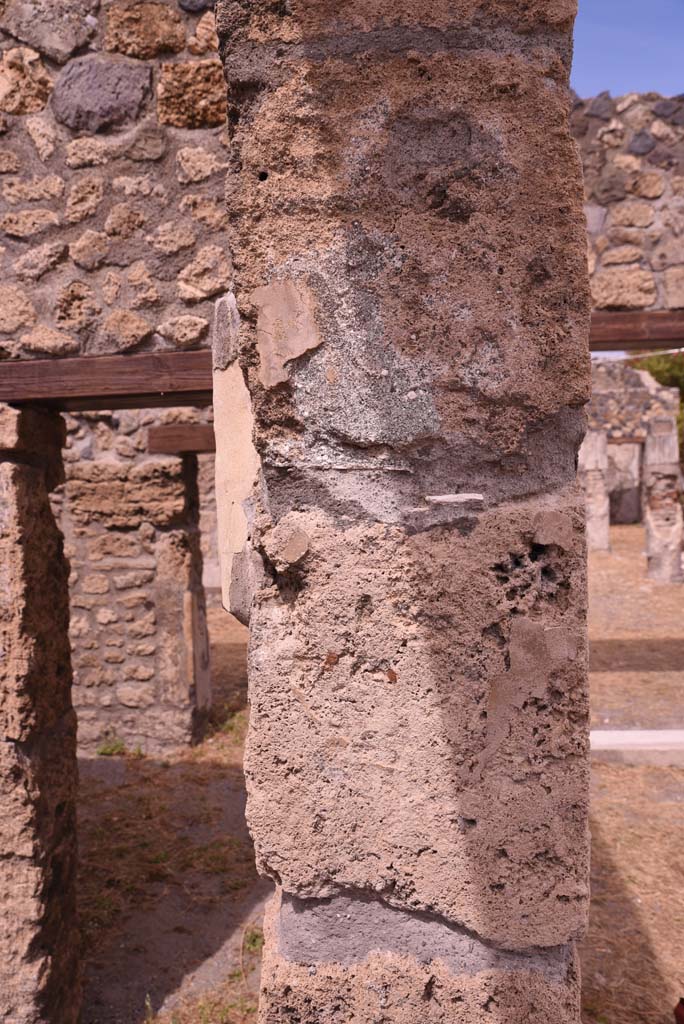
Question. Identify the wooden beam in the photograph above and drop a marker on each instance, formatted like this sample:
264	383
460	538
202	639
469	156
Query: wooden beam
141	381
152	379
631	332
179	438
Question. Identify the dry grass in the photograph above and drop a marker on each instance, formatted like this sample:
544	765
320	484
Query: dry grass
633	957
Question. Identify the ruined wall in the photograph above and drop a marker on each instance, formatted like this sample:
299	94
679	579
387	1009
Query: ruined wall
113	154
138	623
633	156
407	350
624	405
39	979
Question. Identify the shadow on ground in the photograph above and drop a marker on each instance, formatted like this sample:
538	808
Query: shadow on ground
659	654
632	967
170	901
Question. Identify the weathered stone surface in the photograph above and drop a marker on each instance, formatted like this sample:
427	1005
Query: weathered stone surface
123	329
43	135
25	84
208	274
632	213
205	39
85	195
96	92
18	190
410	496
39	261
123	220
196	164
674	287
628	288
27	223
90	250
76	306
46	341
16	309
144	29
54	27
38	931
171	237
9	162
184	331
192	94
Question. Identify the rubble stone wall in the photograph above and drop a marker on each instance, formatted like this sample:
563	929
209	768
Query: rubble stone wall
625	403
633	157
138	619
399	383
112	224
39	976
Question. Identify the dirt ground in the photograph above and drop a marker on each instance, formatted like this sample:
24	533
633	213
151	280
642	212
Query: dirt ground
171	905
636	633
170	902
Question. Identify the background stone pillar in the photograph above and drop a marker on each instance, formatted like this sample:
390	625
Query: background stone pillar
593	475
662	501
398	395
39	980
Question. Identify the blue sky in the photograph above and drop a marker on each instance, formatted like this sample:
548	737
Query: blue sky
629	46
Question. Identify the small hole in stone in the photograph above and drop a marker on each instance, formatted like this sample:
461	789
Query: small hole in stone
263	175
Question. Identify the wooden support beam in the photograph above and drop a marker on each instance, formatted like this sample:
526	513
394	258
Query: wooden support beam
179	438
141	381
637	331
152	379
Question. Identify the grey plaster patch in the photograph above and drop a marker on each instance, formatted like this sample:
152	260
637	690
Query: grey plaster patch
346	929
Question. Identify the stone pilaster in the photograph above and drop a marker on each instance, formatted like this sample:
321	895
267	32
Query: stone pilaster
662	501
398	391
593	475
39	978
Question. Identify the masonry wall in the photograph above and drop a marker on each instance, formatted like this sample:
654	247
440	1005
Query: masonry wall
398	397
633	157
138	620
113	155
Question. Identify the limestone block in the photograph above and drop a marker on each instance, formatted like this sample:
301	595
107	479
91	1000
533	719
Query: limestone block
143	30
46	341
674	287
28	223
25	84
16	309
192	94
196	164
629	288
16	190
633	213
184	331
85	195
96	92
56	28
208	274
76	307
123	330
90	250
